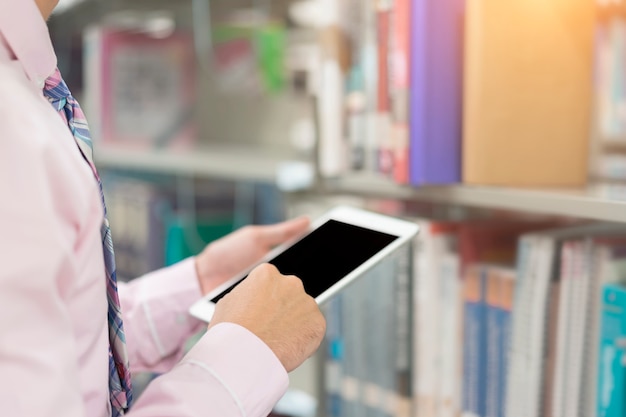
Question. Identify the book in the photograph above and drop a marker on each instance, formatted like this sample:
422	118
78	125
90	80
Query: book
435	261
488	293
402	325
139	89
333	359
607	260
436	72
399	58
548	348
505	308
499	300
612	353
527	92
383	104
450	351
474	343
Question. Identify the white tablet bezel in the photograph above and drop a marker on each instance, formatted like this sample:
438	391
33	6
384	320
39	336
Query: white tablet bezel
203	309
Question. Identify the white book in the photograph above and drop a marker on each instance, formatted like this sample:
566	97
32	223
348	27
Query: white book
562	354
92	64
544	248
600	258
578	313
430	251
451	324
517	381
332	147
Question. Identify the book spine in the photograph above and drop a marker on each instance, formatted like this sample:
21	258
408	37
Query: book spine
334	358
592	332
449	401
507	291
494	344
92	63
560	372
402	338
425	280
383	119
332	152
436	91
515	385
578	324
370	83
543	250
612	370
353	341
483	337
472	344
400	86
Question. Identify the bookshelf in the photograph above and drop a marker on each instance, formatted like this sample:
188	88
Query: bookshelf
265	164
592	203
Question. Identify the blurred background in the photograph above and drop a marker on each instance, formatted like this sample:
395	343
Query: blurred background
499	126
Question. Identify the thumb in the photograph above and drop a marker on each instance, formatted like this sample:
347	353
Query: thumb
281	232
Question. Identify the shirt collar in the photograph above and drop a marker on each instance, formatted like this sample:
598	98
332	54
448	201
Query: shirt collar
26	37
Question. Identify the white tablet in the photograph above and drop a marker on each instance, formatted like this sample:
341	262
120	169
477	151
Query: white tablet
338	248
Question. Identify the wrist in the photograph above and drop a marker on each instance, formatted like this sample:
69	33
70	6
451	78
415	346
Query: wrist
204	273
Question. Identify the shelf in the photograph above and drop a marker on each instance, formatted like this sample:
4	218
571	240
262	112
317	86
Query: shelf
599	203
263	164
250	163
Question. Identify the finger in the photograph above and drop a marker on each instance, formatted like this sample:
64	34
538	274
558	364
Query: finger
281	232
265	270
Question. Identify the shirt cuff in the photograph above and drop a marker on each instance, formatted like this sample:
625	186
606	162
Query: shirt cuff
246	367
156	315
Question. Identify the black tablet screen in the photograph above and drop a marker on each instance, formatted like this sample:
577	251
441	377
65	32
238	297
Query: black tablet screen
327	254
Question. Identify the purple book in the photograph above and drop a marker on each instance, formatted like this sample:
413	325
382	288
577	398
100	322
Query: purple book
436	91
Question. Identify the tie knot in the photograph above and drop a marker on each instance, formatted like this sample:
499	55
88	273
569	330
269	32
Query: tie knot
55	88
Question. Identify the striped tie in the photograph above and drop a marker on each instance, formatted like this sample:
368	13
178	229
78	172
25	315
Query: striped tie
57	93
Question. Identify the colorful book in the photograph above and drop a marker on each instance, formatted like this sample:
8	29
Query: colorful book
399	58
612	355
436	72
139	89
527	92
475	343
383	103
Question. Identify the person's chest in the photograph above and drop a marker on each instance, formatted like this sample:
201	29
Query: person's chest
73	195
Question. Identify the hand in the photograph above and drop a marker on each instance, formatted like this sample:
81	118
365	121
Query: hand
276	309
233	254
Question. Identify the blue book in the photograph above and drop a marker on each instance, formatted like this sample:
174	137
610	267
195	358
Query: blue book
612	360
507	289
474	344
494	344
482	346
334	357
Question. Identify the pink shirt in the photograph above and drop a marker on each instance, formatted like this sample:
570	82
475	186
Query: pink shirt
53	327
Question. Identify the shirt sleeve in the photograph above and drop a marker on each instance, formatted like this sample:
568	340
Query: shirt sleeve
156	319
229	372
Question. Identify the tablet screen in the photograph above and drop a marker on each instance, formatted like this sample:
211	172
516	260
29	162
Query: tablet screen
326	255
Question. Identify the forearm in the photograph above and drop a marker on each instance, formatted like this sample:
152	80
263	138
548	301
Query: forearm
230	372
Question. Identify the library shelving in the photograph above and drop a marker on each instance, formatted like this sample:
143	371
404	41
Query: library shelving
262	164
597	203
242	163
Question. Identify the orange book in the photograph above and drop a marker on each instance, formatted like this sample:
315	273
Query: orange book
527	92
